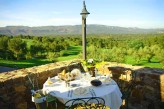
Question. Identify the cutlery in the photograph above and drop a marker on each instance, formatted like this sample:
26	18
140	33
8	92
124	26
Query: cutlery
68	93
71	93
53	93
94	93
90	92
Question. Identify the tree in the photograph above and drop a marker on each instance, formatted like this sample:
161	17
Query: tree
17	46
148	53
136	44
138	55
160	56
52	55
119	54
4	47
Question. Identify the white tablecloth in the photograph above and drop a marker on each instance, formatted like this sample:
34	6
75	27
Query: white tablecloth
110	93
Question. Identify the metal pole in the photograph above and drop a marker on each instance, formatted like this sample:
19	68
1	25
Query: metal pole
84	38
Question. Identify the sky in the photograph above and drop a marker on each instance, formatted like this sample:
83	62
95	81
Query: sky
123	13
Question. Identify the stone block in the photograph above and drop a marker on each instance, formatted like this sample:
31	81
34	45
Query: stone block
20	88
162	78
8	83
22	105
162	86
18	80
162	96
3	90
154	76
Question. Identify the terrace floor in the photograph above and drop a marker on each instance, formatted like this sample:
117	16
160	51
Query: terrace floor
6	69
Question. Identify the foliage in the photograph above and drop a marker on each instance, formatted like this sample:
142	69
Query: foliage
143	49
17	46
52	56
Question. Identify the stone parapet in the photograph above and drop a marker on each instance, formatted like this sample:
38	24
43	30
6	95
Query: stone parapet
15	86
148	92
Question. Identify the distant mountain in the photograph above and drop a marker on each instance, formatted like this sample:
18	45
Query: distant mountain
76	29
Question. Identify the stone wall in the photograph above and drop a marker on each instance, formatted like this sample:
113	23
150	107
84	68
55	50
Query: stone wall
15	86
148	92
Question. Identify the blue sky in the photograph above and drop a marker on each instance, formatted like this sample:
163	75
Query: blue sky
124	13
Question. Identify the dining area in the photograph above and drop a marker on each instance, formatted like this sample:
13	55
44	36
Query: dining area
78	90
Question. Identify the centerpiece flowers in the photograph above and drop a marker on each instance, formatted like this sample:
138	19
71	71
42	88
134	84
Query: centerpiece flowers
89	66
93	66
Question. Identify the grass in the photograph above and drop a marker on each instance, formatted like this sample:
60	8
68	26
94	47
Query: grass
154	62
23	63
73	50
64	58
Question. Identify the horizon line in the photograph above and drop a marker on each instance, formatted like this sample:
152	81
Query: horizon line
81	24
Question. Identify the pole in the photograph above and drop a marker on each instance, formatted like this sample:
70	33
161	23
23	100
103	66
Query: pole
84	38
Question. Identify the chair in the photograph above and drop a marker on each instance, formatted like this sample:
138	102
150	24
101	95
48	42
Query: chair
33	79
74	65
46	101
86	103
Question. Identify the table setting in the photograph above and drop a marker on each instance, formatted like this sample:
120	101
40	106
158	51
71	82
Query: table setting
79	85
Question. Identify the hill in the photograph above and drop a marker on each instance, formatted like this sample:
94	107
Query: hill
74	29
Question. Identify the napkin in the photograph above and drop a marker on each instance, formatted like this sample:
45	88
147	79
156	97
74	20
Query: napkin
49	81
106	79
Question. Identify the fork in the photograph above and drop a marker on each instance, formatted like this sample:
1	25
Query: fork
94	93
68	93
91	92
71	93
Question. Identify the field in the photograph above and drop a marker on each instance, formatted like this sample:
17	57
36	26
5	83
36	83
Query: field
71	53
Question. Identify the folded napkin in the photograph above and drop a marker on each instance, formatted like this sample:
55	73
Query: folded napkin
49	81
106	79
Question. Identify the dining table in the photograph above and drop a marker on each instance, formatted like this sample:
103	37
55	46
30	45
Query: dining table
64	91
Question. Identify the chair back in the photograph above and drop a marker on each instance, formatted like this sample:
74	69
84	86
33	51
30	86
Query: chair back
33	79
73	65
86	103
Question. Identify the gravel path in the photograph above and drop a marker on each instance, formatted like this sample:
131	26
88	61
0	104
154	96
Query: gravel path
6	69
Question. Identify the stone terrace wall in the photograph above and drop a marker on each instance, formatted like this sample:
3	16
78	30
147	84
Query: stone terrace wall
148	92
15	87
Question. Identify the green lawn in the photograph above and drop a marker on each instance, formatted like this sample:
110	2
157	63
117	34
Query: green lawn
23	63
153	64
73	50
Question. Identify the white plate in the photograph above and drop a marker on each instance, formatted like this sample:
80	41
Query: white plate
80	91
